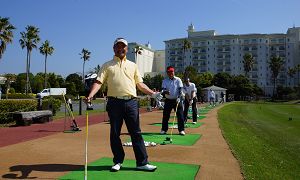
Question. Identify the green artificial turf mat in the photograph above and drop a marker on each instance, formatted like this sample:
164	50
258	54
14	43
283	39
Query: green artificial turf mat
200	117
187	125
100	169
71	131
186	140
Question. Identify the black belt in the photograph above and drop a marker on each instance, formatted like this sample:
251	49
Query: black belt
122	97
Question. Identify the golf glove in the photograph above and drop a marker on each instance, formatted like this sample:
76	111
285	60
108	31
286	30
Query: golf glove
178	100
157	96
191	102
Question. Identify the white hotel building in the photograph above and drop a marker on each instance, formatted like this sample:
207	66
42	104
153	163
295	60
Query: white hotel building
224	53
149	61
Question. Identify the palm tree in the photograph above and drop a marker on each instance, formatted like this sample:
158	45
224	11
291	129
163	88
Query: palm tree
46	50
137	50
96	69
275	65
297	68
9	79
85	55
6	34
29	39
186	46
248	63
291	72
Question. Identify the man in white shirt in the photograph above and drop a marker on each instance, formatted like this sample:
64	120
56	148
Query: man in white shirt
212	96
190	99
172	88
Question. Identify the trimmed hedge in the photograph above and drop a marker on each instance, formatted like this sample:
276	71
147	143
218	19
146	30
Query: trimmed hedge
19	96
8	107
52	103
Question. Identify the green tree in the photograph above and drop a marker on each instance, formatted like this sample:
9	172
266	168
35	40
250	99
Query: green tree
20	83
77	80
29	39
46	50
37	83
205	79
96	69
157	81
6	34
275	64
186	45
190	72
137	51
71	88
9	79
291	72
297	68
61	81
147	80
248	63
241	87
222	79
85	55
53	80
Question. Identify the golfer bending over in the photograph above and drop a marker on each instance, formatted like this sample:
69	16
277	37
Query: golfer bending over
122	77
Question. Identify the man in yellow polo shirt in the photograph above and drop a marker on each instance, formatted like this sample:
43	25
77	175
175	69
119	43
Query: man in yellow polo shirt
122	77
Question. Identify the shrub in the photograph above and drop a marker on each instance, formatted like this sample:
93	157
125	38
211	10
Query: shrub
19	96
7	107
52	104
144	102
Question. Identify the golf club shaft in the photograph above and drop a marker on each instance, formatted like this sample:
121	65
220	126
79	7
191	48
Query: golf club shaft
175	115
68	107
86	145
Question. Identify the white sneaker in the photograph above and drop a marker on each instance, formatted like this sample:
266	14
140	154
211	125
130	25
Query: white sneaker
194	122
147	167
182	133
163	132
116	167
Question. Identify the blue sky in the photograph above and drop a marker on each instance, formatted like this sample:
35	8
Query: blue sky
71	25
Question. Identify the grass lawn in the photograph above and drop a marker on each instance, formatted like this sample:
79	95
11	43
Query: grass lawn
263	138
60	115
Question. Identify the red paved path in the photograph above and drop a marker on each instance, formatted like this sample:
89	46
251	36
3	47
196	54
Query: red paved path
14	135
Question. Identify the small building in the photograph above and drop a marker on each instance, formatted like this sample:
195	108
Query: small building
217	91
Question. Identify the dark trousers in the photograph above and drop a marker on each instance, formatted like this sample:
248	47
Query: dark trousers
169	105
194	109
119	110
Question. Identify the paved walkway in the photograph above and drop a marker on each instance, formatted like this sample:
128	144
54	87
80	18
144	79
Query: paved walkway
44	152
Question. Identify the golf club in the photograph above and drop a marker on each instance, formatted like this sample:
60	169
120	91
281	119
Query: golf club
170	138
74	125
86	145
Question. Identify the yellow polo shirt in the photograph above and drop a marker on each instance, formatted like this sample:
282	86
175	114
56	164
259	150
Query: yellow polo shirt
121	76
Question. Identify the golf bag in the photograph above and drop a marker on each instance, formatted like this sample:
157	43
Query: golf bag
88	83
